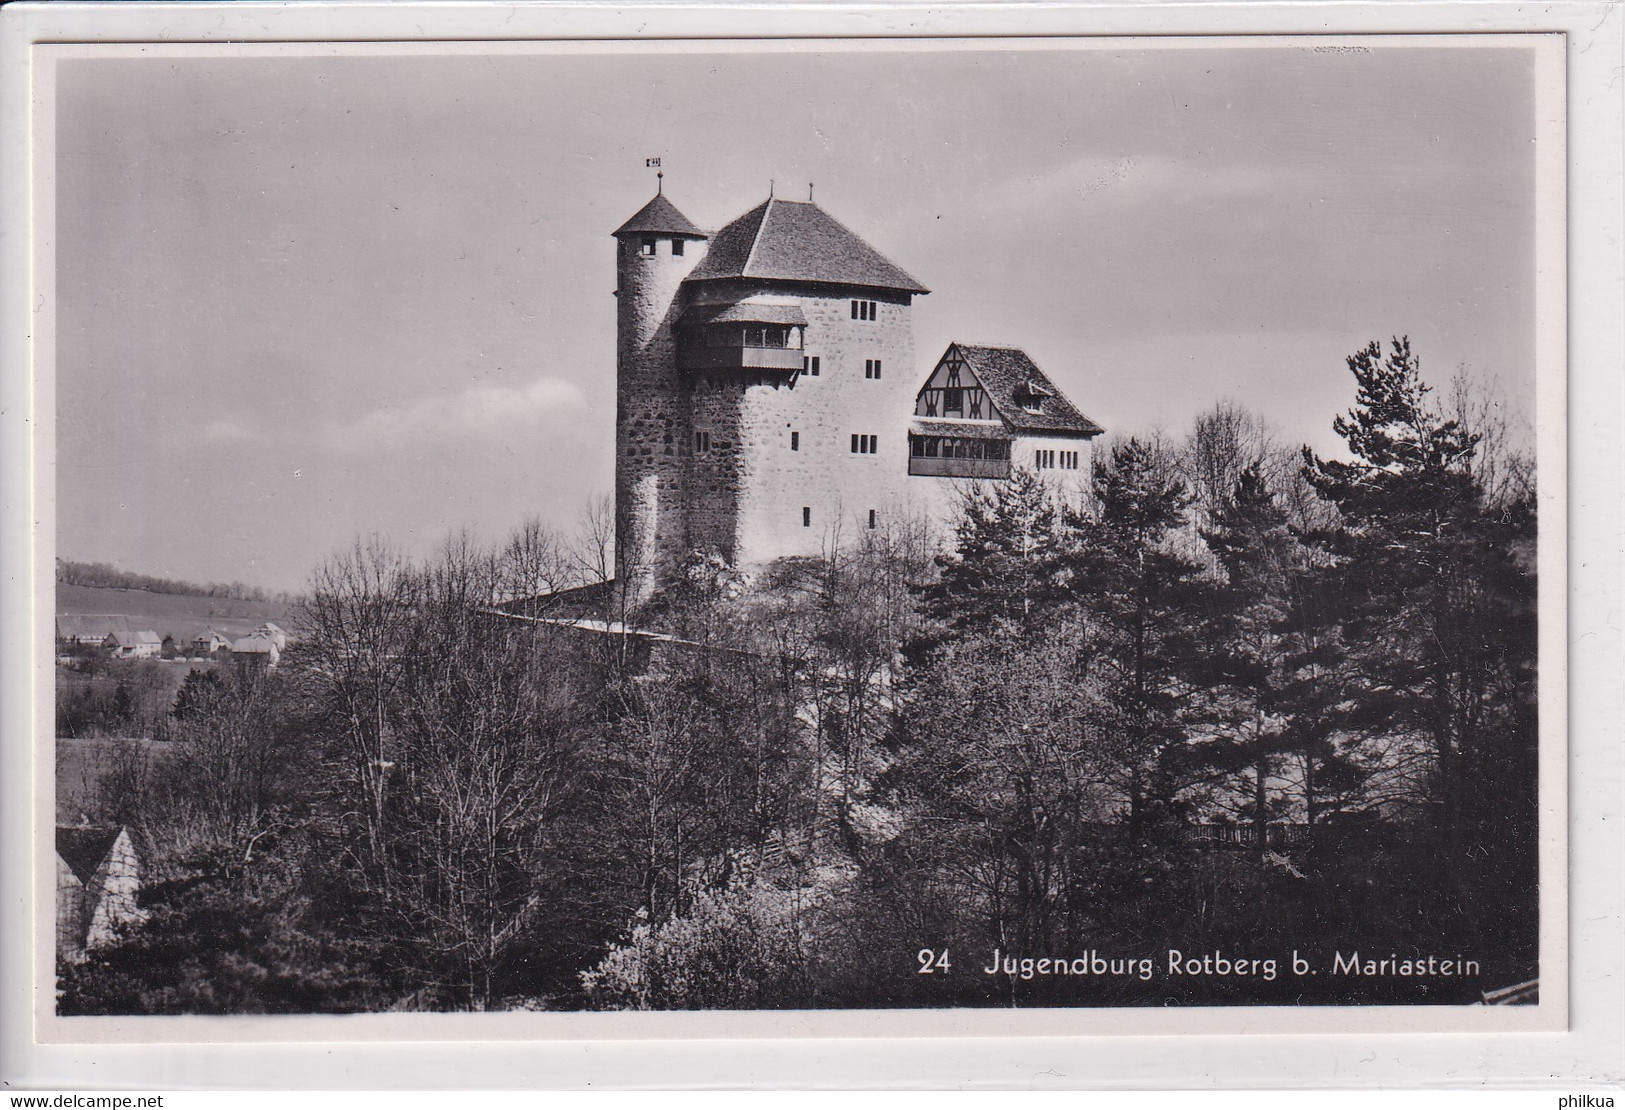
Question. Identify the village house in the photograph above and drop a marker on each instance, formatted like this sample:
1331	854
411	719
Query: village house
274	632
209	641
142	644
256	650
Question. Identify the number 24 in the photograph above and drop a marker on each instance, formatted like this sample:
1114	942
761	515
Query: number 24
932	962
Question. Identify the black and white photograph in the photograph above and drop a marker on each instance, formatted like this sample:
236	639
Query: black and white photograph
823	525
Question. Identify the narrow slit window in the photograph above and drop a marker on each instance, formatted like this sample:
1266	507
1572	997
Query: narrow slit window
871	518
795	441
702	442
806	516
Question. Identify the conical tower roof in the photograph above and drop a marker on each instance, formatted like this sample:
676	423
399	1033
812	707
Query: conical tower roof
660	217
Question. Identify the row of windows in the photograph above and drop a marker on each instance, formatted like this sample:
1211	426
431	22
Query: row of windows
650	245
861	444
810	365
806	517
1057	460
777	336
863	310
933	447
952	447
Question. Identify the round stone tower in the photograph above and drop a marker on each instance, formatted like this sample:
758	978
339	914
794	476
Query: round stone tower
655	250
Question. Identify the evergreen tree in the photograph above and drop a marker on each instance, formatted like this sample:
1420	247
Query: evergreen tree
1439	613
1140	598
1247	647
1001	579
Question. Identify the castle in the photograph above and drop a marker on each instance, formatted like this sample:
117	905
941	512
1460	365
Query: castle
767	401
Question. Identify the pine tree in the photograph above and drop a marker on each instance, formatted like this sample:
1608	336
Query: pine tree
1002	578
1439	610
1247	646
1140	599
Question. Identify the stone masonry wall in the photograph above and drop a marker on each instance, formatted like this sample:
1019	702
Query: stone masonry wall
652	436
749	495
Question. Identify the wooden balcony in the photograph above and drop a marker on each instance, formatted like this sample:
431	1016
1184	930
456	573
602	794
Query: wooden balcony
783	360
959	468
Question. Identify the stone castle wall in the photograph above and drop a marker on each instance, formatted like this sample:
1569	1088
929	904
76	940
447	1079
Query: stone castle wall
652	421
750	493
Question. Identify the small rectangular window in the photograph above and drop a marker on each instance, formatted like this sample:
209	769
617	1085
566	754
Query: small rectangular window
855	439
795	441
871	518
647	248
806	516
854	310
702	442
676	248
877	368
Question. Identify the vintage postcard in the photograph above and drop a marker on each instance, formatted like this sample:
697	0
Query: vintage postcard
800	536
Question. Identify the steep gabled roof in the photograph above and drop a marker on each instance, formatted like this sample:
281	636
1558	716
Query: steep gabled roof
792	240
660	217
1007	373
83	847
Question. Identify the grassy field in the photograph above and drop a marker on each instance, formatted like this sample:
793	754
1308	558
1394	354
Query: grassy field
183	616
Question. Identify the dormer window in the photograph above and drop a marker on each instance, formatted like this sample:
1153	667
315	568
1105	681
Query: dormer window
1031	396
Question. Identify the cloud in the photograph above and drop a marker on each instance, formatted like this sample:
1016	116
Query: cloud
479	410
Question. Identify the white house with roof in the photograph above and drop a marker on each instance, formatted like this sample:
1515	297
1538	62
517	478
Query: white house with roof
984	411
256	650
140	644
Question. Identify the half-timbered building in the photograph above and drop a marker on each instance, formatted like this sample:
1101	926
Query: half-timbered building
984	411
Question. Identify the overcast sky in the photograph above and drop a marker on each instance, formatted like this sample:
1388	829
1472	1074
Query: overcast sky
306	298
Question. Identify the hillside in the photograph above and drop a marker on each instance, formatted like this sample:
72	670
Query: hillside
183	616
